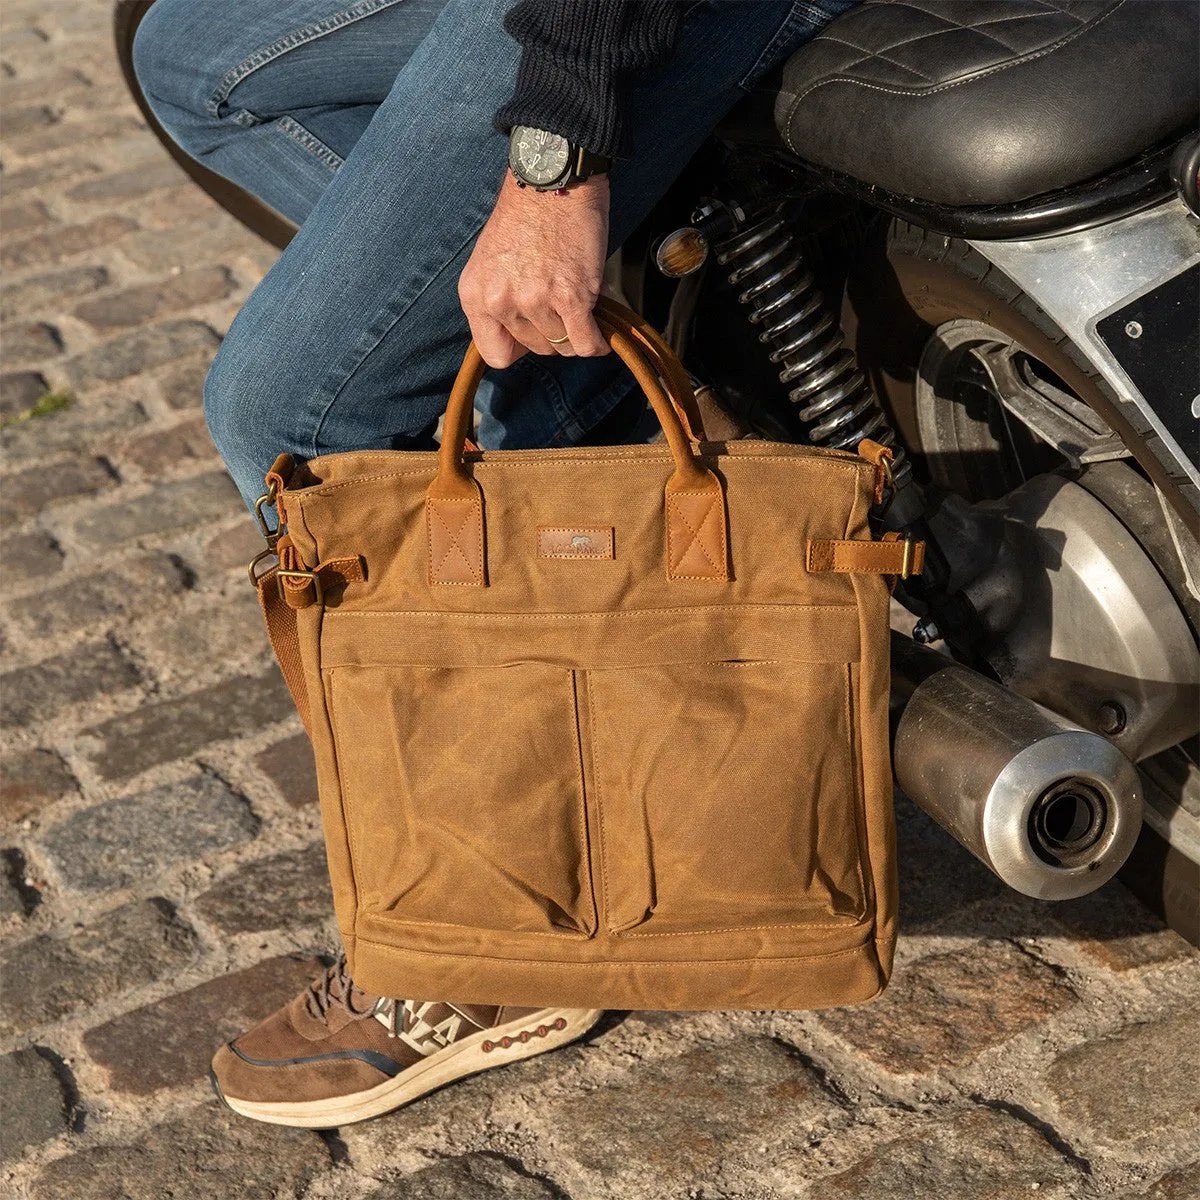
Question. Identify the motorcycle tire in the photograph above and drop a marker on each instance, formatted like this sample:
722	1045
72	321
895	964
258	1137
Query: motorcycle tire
917	281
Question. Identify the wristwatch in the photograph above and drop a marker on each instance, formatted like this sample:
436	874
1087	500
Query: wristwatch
548	162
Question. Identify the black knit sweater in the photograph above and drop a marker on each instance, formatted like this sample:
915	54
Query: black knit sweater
576	58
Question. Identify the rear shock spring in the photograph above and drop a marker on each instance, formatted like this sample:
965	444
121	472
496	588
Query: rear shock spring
770	270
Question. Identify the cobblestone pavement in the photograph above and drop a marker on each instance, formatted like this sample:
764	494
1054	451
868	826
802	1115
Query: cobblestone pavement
163	886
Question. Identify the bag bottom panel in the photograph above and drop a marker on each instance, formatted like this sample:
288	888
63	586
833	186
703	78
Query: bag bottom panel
819	980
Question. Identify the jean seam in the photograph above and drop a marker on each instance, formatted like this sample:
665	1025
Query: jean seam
290	41
292	128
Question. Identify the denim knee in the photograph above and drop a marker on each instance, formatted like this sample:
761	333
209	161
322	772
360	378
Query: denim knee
168	49
247	419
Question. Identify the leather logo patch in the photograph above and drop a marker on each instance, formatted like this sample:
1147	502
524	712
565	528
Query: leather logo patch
557	542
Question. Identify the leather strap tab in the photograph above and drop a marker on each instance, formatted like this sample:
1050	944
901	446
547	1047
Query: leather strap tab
894	555
454	526
301	586
696	541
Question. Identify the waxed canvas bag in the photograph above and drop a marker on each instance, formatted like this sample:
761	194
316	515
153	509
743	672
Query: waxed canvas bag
598	727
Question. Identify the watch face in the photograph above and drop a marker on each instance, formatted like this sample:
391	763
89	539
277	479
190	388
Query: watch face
538	156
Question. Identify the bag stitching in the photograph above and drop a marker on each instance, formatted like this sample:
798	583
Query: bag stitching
597	791
323	489
584	849
780	609
704	963
856	777
431	512
696	539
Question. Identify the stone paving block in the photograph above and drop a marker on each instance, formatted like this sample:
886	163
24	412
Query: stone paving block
20	390
41	291
1180	1184
171	1042
32	116
147	301
209	1153
40	176
36	692
33	1106
478	1176
17	218
182	384
286	891
49	976
946	1009
226	631
175	206
30	780
216	238
231	548
208	497
125	841
175	729
31	342
27	557
94	424
1138	1080
978	1154
76	129
52	83
17	40
290	766
165	449
1118	931
62	242
28	492
91	601
676	1121
124	185
141	350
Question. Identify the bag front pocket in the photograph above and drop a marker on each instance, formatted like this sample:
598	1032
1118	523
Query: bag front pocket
728	796
463	795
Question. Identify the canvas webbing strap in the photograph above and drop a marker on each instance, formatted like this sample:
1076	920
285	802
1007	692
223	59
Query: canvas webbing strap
285	640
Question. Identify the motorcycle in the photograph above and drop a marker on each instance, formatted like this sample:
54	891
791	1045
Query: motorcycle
972	233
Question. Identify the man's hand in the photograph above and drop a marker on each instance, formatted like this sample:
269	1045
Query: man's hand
536	271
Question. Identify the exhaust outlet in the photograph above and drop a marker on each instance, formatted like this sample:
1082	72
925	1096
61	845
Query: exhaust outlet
1052	809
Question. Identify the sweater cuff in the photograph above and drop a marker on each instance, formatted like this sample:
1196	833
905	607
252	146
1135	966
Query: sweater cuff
549	95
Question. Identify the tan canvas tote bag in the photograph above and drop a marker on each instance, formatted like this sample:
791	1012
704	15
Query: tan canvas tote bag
600	727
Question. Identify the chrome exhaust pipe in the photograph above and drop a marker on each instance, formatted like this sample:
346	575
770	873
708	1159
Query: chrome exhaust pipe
1050	808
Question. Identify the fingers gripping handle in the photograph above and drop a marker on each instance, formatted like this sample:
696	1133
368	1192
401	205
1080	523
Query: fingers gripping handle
694	504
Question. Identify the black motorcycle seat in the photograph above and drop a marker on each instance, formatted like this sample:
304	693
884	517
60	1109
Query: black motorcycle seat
990	102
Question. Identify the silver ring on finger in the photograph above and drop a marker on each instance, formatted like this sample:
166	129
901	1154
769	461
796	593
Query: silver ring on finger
559	341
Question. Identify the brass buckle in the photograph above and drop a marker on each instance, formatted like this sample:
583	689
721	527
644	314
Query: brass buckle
909	557
268	498
311	576
252	567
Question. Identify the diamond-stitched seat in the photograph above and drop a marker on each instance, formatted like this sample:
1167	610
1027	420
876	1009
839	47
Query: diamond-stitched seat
982	102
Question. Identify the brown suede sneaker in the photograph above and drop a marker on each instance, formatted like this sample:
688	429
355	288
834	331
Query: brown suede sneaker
337	1054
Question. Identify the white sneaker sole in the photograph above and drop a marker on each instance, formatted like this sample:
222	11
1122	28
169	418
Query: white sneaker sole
459	1059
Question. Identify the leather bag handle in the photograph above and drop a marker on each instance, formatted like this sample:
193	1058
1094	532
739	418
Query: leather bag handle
694	502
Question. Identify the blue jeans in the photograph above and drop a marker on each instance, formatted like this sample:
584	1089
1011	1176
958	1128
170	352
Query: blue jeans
370	124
